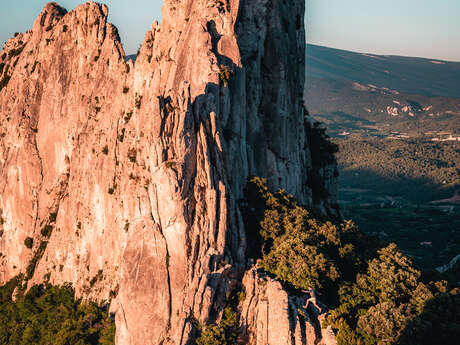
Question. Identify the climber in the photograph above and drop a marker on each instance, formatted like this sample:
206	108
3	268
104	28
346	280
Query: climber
312	299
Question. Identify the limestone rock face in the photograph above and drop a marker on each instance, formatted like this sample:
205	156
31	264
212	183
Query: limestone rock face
269	315
128	176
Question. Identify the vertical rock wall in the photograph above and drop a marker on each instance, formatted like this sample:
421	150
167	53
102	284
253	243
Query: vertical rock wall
128	177
269	315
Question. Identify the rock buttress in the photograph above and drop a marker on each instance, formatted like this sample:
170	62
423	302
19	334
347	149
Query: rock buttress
269	315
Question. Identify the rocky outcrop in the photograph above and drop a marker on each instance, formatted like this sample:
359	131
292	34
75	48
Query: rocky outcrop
128	176
269	315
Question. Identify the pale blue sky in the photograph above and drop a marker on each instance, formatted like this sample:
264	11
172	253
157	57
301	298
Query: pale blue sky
424	28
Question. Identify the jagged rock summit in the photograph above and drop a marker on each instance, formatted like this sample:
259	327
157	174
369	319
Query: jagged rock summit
128	177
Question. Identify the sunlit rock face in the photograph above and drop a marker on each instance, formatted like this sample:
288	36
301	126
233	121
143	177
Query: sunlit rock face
129	177
269	315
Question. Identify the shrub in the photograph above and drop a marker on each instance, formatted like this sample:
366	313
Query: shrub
96	278
46	230
105	150
42	21
125	89
4	81
114	293
52	217
224	333
132	154
30	270
64	28
128	116
98	55
29	242
438	322
224	74
112	189
121	137
322	149
322	153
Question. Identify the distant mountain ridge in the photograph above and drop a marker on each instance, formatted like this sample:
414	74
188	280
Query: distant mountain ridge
382	95
429	77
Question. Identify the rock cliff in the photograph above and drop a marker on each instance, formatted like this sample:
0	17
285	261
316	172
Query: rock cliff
269	315
128	177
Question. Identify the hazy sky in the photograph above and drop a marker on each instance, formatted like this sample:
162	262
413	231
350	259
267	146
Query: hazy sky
425	28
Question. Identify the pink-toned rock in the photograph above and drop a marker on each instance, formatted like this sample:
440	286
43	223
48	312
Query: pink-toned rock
269	315
128	176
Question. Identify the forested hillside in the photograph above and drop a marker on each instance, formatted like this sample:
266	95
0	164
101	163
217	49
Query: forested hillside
404	191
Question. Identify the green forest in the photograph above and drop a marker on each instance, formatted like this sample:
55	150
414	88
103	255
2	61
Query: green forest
400	190
49	314
416	170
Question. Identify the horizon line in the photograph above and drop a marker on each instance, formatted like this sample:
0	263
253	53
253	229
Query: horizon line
383	55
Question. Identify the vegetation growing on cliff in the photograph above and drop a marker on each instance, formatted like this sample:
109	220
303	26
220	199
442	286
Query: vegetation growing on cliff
49	314
378	295
223	333
300	247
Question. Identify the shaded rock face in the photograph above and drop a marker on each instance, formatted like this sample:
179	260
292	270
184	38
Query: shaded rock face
128	177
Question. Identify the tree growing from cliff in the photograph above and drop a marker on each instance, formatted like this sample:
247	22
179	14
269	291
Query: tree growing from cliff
299	247
223	333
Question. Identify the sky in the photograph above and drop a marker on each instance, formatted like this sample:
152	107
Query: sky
422	28
419	28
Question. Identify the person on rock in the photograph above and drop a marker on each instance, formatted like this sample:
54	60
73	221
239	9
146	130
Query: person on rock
312	299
